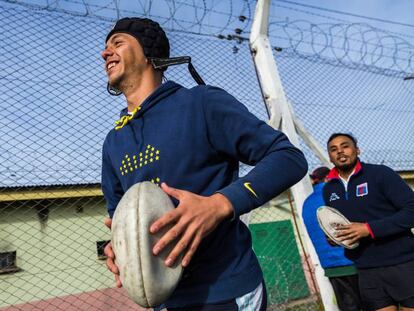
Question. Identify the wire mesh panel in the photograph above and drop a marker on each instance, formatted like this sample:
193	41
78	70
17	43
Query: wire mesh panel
350	78
375	106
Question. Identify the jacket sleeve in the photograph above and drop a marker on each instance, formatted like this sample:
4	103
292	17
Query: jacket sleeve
400	195
111	186
238	134
307	217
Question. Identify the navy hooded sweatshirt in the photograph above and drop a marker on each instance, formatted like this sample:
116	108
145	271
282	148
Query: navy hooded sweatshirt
378	196
193	139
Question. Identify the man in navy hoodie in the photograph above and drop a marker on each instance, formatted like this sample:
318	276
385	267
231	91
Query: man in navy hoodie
380	206
190	142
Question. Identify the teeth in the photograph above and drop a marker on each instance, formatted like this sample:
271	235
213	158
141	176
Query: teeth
110	65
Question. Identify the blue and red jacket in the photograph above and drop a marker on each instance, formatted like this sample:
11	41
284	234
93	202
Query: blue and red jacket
377	196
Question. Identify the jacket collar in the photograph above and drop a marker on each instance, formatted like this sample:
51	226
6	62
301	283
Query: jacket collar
334	174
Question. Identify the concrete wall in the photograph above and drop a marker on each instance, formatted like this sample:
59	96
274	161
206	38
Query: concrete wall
56	258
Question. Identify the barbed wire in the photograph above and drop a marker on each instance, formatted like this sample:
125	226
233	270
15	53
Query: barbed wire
309	6
355	44
200	16
350	44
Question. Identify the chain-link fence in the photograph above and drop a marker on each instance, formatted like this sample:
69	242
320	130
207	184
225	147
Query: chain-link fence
350	78
55	113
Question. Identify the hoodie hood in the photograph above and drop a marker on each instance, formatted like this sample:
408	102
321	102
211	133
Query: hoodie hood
159	94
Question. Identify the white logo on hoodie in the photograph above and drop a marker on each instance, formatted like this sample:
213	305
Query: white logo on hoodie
334	197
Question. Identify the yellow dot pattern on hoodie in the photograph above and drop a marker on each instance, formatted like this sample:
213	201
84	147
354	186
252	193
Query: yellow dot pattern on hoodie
156	181
131	163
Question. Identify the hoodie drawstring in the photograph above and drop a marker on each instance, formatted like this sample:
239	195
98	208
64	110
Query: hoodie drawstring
125	119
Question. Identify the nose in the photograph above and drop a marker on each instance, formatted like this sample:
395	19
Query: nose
106	53
340	150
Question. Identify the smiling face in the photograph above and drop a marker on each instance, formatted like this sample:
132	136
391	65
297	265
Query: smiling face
125	62
343	154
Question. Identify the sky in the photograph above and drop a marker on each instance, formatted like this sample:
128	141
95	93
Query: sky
49	44
396	15
390	15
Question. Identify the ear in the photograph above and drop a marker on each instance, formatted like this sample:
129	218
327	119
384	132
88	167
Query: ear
358	151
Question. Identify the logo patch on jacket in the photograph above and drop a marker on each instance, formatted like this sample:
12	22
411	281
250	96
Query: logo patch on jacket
362	189
333	197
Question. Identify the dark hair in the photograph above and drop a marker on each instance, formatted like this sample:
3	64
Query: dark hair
319	174
349	135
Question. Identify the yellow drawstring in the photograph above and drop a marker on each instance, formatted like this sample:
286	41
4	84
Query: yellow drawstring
125	119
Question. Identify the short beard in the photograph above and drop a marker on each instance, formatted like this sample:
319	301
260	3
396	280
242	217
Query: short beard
348	168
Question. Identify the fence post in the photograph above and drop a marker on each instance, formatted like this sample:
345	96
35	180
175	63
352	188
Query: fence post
281	117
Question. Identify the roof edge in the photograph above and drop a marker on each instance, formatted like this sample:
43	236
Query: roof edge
54	192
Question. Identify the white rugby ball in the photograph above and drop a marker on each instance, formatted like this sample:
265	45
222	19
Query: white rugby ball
329	218
145	277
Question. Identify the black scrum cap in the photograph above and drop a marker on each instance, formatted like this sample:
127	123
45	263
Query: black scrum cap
149	34
155	44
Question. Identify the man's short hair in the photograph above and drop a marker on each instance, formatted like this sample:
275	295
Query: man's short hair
319	174
349	135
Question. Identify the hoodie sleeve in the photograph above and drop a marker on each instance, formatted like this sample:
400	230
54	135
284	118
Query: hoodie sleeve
111	186
400	195
237	133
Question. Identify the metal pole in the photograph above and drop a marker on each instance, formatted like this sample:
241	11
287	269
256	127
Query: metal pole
281	118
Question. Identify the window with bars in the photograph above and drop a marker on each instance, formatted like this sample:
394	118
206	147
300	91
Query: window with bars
8	262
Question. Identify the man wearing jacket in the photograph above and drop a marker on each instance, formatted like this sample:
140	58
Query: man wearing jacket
340	271
380	206
190	142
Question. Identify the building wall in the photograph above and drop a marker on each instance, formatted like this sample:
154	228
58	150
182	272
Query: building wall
57	257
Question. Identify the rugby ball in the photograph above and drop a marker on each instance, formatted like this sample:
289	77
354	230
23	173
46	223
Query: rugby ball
329	218
145	277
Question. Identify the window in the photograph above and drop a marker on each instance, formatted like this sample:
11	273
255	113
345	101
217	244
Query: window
100	246
8	262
